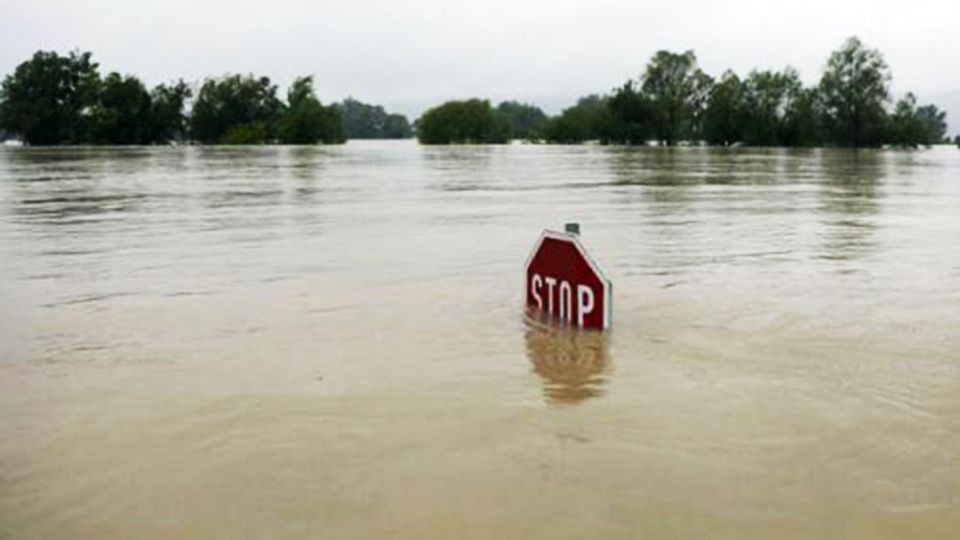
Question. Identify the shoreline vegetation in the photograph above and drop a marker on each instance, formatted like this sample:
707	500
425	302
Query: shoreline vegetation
52	99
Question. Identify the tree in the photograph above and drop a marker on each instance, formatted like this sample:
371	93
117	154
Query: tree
588	120
168	122
767	96
396	126
934	124
802	125
236	110
678	92
122	112
468	121
631	116
305	120
47	100
525	119
363	121
913	126
723	118
854	90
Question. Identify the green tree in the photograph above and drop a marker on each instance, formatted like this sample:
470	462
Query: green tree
396	126
525	119
468	121
236	110
723	118
934	122
678	92
48	99
364	121
167	119
306	120
631	116
122	112
912	126
802	125
854	90
588	120
767	96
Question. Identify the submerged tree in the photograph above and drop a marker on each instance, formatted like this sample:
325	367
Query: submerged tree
631	116
468	121
168	122
854	90
236	110
723	118
305	120
767	96
803	120
588	120
122	112
47	100
526	120
912	126
363	121
678	91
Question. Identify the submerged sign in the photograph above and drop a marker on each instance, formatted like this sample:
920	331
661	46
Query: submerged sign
564	282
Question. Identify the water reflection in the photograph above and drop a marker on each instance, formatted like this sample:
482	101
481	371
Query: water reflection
573	363
850	201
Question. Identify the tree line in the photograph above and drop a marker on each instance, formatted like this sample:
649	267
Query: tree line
674	100
62	99
54	99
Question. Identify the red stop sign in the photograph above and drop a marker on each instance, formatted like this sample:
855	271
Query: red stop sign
563	281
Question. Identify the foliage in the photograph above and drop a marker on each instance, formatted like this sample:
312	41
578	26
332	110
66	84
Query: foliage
47	100
767	96
305	120
854	90
54	99
630	116
803	120
677	90
526	119
246	133
122	112
912	126
363	121
468	121
588	120
243	107
168	122
723	118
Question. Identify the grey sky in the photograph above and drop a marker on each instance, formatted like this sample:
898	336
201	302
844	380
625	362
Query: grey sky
407	55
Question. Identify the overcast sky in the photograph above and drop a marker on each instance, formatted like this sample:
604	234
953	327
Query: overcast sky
407	55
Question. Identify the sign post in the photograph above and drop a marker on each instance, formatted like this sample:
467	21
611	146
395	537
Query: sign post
563	281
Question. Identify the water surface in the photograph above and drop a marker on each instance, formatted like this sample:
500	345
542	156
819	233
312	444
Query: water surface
328	342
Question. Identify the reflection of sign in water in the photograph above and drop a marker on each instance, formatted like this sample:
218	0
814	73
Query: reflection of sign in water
572	363
564	282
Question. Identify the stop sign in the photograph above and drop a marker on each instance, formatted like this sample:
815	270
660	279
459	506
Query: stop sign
563	281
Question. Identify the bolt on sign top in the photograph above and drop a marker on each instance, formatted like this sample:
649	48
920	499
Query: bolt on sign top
563	281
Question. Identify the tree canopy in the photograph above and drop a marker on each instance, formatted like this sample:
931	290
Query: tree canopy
677	90
461	122
854	90
62	99
588	120
526	120
674	100
47	99
305	120
364	121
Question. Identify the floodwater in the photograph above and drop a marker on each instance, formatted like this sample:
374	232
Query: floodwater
329	342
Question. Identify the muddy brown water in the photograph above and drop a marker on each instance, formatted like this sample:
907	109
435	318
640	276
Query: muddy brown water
322	342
